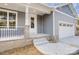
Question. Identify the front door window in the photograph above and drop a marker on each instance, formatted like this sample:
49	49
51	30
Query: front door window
32	22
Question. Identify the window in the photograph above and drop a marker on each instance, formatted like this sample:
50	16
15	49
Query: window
3	19
7	19
60	24
12	16
12	20
64	24
32	22
12	24
68	25
71	25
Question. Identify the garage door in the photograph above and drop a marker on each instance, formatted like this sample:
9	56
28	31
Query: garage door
66	29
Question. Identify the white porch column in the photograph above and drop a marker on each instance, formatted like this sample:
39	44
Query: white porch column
55	31
27	24
27	15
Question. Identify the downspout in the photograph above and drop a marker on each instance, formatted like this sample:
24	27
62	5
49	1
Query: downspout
42	24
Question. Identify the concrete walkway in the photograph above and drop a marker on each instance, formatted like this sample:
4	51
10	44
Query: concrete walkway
59	48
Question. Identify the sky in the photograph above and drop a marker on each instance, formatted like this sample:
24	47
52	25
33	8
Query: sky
76	5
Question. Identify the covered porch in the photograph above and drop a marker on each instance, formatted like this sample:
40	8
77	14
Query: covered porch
22	20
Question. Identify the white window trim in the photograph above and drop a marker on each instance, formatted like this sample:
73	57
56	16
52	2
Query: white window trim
8	11
8	19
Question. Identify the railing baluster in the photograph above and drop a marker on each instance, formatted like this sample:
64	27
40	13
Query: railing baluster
1	33
10	32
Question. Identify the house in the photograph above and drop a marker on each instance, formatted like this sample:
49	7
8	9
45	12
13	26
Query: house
26	21
77	28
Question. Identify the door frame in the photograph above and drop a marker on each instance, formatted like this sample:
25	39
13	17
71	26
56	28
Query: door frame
33	30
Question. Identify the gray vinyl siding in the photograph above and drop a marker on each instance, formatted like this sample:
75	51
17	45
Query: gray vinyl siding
61	17
40	24
65	9
48	24
21	19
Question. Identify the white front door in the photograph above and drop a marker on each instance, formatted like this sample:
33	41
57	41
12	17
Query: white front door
33	24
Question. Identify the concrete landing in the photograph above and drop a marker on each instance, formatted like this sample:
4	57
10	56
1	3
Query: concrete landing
59	48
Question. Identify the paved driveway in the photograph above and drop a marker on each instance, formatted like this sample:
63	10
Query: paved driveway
74	41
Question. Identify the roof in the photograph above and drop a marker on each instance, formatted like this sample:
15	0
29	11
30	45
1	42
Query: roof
57	5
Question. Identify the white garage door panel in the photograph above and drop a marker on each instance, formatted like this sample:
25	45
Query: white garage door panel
66	31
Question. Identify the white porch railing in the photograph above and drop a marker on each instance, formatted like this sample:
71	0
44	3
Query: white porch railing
11	32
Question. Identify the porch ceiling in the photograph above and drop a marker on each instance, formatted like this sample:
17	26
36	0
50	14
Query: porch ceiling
40	8
35	8
12	6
